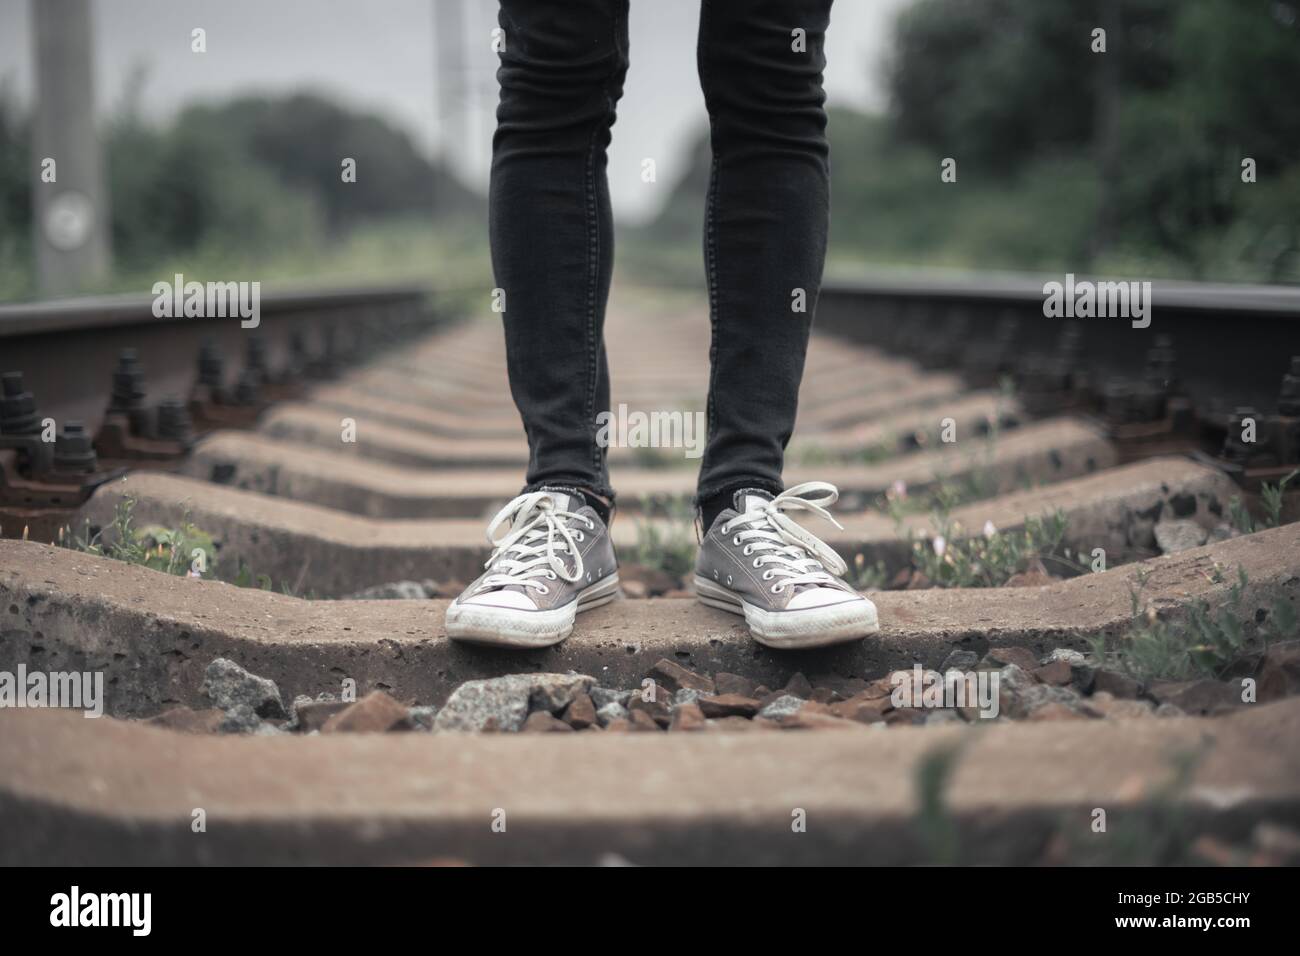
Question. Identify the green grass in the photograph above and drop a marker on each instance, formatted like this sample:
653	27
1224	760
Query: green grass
938	498
989	560
452	257
947	558
183	551
867	577
1197	643
1271	499
667	541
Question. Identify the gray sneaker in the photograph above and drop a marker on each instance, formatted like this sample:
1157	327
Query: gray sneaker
756	561
555	561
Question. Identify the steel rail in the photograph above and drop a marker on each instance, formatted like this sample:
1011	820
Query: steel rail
92	312
1233	343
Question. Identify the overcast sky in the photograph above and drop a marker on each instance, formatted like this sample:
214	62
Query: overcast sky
379	55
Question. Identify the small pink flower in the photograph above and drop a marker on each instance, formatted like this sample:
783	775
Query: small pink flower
899	488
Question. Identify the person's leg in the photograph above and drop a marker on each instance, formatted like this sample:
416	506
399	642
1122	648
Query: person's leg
561	74
761	68
760	65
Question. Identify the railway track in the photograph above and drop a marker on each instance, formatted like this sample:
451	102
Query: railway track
1063	514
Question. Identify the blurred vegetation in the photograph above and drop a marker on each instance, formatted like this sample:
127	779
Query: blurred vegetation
16	267
252	186
1127	161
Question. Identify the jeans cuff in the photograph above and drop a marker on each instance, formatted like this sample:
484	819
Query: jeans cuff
602	491
731	487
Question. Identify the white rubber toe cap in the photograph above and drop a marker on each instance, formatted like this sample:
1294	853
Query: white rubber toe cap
819	597
515	600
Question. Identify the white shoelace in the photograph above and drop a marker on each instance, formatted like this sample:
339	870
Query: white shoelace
529	553
796	555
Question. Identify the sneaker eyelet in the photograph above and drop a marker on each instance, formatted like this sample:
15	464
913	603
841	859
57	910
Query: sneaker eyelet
578	535
767	575
776	589
544	589
749	549
551	575
736	540
756	564
591	525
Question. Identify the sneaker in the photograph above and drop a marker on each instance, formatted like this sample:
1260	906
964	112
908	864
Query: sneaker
555	561
756	561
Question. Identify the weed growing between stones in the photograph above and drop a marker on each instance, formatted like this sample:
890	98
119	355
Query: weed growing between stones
865	577
669	544
1271	498
1239	516
185	551
943	559
939	498
992	559
1200	643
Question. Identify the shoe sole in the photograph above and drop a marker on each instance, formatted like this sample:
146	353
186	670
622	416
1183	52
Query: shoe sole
511	627
795	630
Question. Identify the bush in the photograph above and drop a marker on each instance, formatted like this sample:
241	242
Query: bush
247	186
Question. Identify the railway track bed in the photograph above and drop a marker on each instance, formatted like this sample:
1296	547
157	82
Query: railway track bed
1073	619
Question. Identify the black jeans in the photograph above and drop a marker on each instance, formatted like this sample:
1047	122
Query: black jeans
562	71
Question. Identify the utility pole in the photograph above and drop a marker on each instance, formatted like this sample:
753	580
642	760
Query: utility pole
70	221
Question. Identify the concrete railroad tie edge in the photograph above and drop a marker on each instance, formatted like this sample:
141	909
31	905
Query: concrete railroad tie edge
127	793
327	553
154	634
